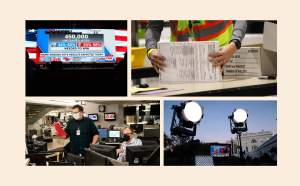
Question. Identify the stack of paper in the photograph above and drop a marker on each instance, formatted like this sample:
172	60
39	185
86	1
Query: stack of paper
188	61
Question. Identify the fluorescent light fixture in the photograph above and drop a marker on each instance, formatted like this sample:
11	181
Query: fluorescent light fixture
66	102
192	112
240	116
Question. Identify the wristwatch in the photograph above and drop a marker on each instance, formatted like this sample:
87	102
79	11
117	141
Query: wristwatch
237	43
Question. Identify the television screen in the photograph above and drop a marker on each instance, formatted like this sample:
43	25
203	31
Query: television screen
103	133
114	134
130	110
219	150
93	117
76	45
110	116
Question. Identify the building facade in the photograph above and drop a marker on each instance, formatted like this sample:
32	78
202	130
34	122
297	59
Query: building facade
251	141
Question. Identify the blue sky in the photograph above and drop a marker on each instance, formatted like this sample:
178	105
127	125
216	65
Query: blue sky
214	127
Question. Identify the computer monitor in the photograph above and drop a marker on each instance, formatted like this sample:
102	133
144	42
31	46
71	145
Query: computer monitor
93	117
142	110
114	162
138	128
130	111
106	150
93	158
139	155
151	132
114	134
155	110
103	133
154	158
75	159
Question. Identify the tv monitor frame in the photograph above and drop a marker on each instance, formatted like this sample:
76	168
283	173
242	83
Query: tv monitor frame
129	110
106	150
155	110
95	114
109	134
92	158
138	128
152	132
218	147
100	38
110	119
101	136
75	159
141	153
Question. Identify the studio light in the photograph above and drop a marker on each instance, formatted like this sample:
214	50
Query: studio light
240	115
192	112
185	118
238	121
238	124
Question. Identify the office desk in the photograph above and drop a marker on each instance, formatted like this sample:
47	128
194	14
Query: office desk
56	144
143	72
229	86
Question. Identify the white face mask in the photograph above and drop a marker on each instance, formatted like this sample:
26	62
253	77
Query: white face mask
77	116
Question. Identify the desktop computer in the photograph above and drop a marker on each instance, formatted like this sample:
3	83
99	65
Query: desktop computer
151	132
114	162
140	155
114	136
138	128
103	134
94	158
106	150
74	159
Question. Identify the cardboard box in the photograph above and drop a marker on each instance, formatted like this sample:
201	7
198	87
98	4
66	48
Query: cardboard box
251	61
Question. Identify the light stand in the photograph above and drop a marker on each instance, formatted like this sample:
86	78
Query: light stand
238	124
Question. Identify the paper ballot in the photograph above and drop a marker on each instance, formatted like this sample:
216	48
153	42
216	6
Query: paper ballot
188	61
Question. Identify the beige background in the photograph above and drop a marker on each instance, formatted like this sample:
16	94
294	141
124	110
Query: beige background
13	14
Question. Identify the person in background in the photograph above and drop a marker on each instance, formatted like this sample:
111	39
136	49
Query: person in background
129	140
81	130
229	35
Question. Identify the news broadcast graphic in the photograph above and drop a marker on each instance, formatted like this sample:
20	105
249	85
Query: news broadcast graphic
219	150
76	45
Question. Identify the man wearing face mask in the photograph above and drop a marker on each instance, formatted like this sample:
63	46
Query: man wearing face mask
81	130
129	140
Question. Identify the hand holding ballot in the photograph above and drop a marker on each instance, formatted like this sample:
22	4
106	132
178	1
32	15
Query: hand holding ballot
219	58
223	56
157	60
188	61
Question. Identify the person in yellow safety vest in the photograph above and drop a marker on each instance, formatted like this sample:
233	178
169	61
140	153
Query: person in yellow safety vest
229	35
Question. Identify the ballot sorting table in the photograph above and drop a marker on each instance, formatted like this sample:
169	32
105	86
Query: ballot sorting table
229	86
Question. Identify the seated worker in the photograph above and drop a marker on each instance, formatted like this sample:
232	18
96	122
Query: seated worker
81	130
129	140
229	35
